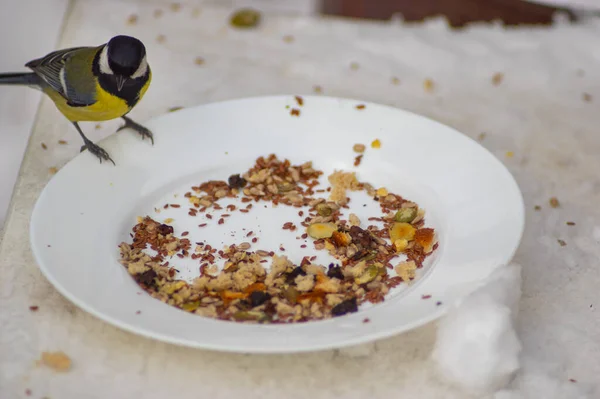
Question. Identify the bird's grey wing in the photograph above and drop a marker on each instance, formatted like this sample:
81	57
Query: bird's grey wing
53	69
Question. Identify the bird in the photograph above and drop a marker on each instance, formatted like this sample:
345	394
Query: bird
96	83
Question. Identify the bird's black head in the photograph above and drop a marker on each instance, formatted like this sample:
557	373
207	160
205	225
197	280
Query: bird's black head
125	55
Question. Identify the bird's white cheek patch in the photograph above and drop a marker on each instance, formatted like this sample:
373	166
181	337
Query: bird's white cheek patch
142	69
104	67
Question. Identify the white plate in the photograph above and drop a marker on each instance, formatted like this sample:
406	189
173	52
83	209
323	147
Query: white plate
87	209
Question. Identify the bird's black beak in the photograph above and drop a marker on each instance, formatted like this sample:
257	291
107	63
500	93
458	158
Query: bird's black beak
120	82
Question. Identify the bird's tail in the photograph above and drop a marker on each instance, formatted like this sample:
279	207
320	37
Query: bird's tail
27	79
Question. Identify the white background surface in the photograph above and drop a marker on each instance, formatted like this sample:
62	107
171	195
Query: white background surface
537	112
28	29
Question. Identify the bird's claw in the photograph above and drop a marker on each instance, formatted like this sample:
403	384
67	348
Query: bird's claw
141	130
98	151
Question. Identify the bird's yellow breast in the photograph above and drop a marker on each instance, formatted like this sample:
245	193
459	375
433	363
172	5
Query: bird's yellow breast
106	107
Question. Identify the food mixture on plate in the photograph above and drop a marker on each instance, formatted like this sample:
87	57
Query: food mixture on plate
257	285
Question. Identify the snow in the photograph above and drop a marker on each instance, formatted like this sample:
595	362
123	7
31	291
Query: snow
478	349
477	346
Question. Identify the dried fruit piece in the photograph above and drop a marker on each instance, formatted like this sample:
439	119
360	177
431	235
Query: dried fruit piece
257	298
321	230
335	272
191	306
402	231
164	229
255	287
285	187
400	244
348	306
554	202
369	275
243	315
341	239
245	18
323	209
236	181
406	215
291	294
376	143
381	192
426	238
291	276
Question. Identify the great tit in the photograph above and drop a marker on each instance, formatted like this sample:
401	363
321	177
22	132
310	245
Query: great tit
92	83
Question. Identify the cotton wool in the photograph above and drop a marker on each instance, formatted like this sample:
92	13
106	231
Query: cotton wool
477	347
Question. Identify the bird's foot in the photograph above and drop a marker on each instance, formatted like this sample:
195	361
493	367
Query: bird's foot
144	132
98	151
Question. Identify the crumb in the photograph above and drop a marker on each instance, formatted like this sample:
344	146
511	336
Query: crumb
428	85
572	380
58	361
562	243
169	220
481	136
406	270
570	223
366	320
395	81
438	303
587	97
537	208
199	61
28	392
425	296
98	126
161	38
138	312
44	146
288	38
62	142
295	112
360	148
158	13
510	154
354	66
360	106
34	308
175	7
340	182
175	108
318	89
53	170
554	202
497	78
132	20
299	100
376	143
